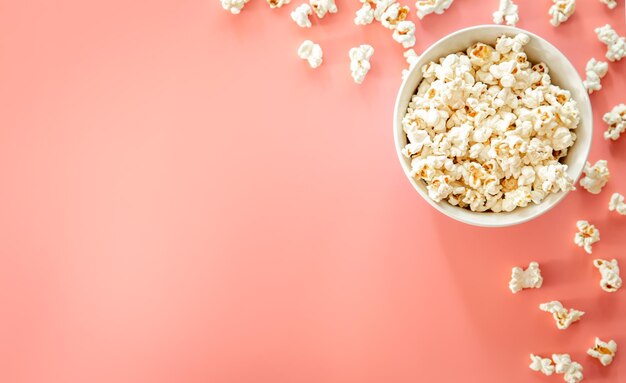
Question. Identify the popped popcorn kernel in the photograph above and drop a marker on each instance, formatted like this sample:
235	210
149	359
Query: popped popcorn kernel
506	13
525	279
360	62
596	176
234	6
563	317
311	52
617	204
322	7
594	71
603	351
404	33
609	271
610	3
543	365
277	3
586	236
561	11
616	119
426	7
411	58
365	14
572	371
301	15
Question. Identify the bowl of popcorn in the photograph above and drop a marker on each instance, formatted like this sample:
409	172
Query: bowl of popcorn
493	125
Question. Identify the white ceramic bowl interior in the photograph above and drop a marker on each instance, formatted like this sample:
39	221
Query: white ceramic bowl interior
562	73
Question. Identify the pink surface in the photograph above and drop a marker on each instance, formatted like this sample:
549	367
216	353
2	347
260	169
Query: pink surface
183	200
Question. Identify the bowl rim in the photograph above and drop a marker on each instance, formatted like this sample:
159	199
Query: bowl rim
398	131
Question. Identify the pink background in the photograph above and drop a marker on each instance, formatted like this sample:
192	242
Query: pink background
183	200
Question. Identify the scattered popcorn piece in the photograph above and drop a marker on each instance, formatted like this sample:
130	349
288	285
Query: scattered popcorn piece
411	58
234	6
322	7
603	351
572	371
393	15
609	270
506	13
610	3
617	204
360	61
562	316
301	15
365	14
543	365
616	119
615	43
596	176
277	3
426	7
494	125
561	11
595	70
586	236
525	279
311	52
404	33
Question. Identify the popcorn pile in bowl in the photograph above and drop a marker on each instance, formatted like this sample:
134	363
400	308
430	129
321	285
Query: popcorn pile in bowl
487	130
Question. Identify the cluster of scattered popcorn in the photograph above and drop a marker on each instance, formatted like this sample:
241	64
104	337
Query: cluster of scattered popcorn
486	129
391	15
572	371
506	13
616	44
561	11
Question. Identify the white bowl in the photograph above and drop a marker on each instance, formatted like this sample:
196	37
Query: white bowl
562	73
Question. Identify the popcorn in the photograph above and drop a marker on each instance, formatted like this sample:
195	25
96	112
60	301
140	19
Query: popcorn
561	10
543	365
617	204
393	15
616	44
603	351
507	12
586	236
609	270
610	3
301	15
525	279
562	316
311	52
234	6
322	7
277	3
365	14
411	58
616	119
404	33
596	177
359	61
572	371
426	7
496	125
595	70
